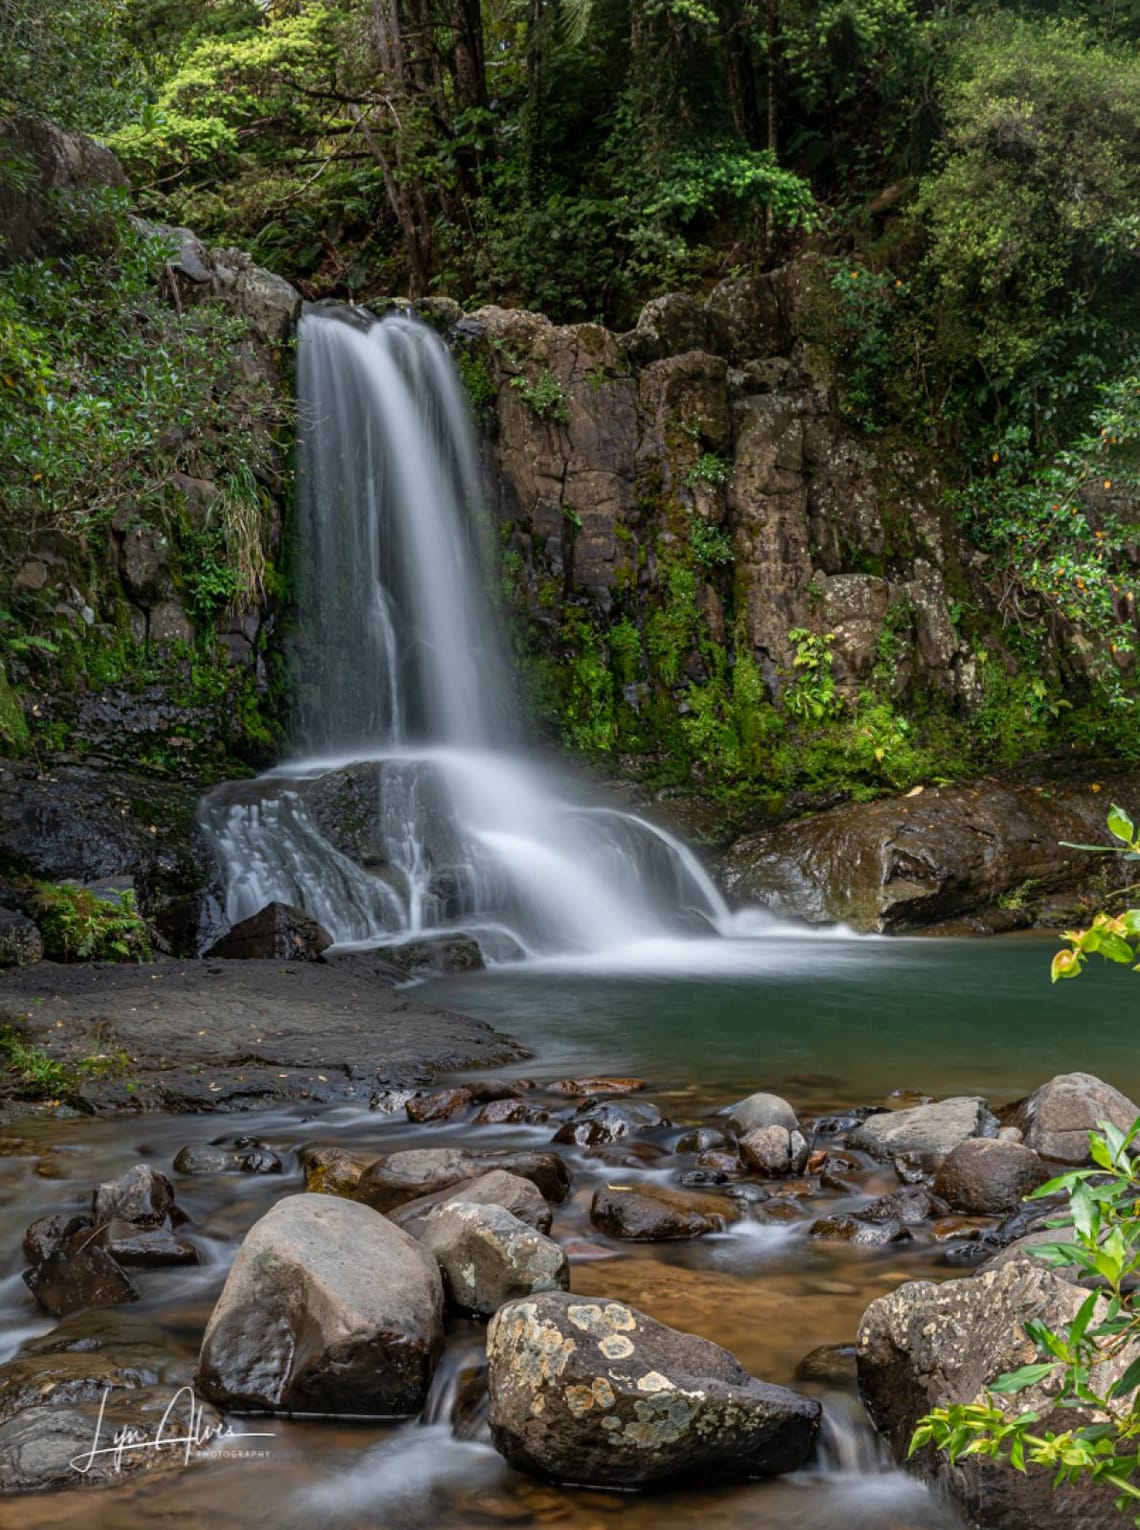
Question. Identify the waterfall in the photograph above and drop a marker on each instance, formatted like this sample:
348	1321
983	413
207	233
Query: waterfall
414	805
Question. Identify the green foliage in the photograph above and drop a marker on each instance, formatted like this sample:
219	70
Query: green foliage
1083	1361
546	397
107	392
29	1071
478	384
810	694
709	468
867	301
67	60
712	546
79	924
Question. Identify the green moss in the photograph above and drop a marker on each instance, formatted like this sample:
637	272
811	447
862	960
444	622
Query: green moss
14	736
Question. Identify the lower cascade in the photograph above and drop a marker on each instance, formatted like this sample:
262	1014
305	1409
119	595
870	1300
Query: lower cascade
414	806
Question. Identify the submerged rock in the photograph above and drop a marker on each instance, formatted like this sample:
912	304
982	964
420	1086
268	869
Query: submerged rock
436	954
929	1345
985	1176
328	1308
848	1229
650	1213
937	1128
595	1392
1056	1119
276	932
602	1121
487	1256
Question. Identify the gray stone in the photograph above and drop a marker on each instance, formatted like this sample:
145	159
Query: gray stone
328	1308
1056	1119
39	1446
986	1176
929	1345
21	943
141	1195
760	1110
594	1392
937	1128
396	1178
487	1256
774	1150
606	1121
498	1188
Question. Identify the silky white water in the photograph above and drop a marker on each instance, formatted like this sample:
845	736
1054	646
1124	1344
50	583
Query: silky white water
414	806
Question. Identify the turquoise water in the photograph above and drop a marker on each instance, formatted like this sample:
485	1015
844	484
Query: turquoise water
823	1019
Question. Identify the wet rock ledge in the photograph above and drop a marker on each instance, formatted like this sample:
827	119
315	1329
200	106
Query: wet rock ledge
215	1035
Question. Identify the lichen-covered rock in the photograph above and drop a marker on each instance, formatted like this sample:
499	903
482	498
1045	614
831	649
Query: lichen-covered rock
928	1345
487	1256
649	1213
936	1128
1056	1119
595	1392
21	943
328	1308
986	1176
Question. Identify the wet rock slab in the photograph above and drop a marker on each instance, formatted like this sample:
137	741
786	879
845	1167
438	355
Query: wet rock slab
216	1035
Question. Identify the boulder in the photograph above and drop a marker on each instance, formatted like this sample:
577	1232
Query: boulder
487	1256
499	1188
985	1176
937	1128
328	1308
276	932
56	162
21	943
145	1247
774	1150
651	1213
929	1345
390	1181
760	1110
141	1195
595	1392
1056	1119
77	1277
904	862
213	1159
435	955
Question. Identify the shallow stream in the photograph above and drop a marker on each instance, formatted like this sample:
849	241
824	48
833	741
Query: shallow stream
826	1022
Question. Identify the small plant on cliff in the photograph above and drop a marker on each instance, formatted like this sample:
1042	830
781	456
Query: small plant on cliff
546	397
80	924
708	468
810	694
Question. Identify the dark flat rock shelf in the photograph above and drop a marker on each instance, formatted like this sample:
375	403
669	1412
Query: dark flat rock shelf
242	1035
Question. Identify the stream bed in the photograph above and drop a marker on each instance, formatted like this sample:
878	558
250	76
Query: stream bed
825	1022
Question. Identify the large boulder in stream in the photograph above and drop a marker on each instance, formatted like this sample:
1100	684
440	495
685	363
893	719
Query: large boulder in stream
277	932
328	1308
904	862
595	1392
416	1172
935	1129
928	1345
1056	1119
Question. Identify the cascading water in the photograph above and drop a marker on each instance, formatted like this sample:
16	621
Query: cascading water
415	807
